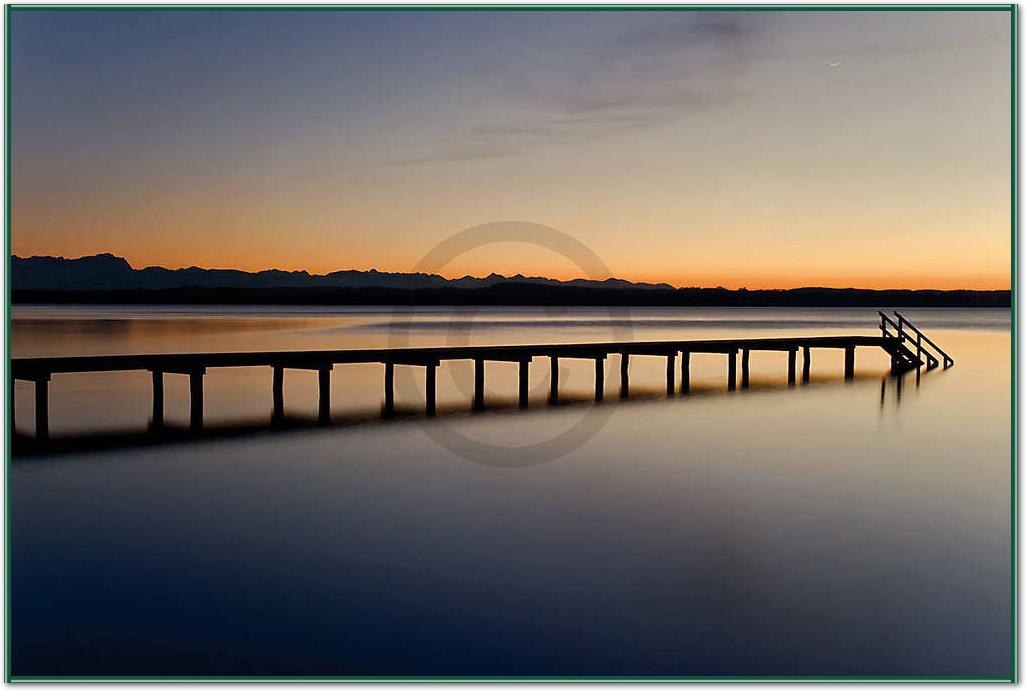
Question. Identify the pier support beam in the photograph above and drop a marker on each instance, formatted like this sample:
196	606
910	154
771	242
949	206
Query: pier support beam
525	371
849	362
278	393
196	399
389	389
731	370
670	360
745	353
157	416
324	395
685	371
43	408
479	384
792	356
429	389
806	364
553	379
600	378
625	381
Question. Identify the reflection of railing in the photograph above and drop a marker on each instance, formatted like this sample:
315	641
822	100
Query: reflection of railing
920	340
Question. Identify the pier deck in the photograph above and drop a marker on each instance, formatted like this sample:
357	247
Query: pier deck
195	365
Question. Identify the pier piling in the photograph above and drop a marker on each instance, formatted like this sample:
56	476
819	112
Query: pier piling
744	368
429	388
42	408
524	374
685	371
196	399
670	359
553	379
324	395
625	382
731	370
278	393
389	389
479	384
806	364
792	356
157	415
600	378
849	362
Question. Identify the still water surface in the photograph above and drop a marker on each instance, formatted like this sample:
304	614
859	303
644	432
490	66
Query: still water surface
825	529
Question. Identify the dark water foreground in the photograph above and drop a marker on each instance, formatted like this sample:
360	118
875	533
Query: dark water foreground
828	529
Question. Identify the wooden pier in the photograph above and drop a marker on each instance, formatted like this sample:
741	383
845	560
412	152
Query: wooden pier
906	345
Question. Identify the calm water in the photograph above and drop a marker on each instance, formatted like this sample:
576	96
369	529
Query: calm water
828	529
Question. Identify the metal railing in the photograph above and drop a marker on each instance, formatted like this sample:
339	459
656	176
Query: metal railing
921	342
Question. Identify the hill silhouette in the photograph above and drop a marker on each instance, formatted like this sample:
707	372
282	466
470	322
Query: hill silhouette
106	278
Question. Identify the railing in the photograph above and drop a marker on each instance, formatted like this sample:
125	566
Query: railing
920	340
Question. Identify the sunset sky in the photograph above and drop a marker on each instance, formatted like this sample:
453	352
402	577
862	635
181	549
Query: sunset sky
758	149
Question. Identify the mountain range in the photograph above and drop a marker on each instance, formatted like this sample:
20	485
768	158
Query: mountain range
110	272
109	279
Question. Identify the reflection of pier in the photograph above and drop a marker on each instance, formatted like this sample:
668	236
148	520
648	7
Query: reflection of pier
195	365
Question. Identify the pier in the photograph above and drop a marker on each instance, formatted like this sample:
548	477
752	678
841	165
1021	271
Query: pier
907	346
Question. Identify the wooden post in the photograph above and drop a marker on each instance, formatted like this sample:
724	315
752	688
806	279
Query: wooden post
324	395
389	388
278	393
685	371
429	389
732	370
745	353
806	364
625	382
42	408
792	356
524	372
553	379
919	351
196	402
669	373
600	378
849	362
158	398
478	384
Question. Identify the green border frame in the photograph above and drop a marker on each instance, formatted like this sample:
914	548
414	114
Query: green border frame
1013	11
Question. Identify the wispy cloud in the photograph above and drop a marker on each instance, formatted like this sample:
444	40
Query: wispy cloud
624	80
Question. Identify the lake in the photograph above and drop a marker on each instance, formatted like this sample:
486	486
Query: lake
831	528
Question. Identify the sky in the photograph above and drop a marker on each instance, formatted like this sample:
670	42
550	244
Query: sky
700	148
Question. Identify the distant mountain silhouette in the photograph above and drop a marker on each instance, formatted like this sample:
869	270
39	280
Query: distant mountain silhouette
106	278
110	272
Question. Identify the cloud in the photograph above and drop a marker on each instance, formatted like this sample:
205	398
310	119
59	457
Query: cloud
639	75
